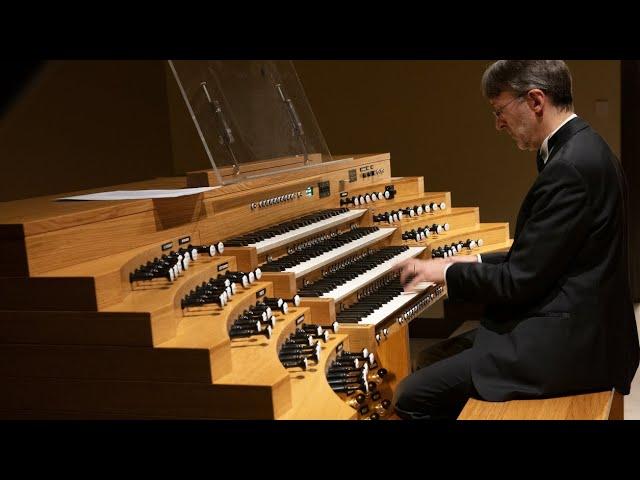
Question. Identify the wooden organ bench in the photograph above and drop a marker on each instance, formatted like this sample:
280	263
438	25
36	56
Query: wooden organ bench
605	405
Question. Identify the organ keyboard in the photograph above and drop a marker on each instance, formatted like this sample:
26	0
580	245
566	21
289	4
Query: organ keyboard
357	240
298	230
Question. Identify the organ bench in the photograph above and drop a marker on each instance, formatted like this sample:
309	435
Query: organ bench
606	405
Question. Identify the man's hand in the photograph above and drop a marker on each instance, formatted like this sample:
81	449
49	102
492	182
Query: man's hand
414	271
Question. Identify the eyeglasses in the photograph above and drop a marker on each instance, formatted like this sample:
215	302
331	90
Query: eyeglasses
499	111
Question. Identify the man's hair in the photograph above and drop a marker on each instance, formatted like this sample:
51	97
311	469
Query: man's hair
520	76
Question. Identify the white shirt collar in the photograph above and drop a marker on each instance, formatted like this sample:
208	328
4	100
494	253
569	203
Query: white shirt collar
544	149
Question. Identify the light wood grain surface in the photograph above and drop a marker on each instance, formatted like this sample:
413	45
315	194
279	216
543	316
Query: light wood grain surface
590	406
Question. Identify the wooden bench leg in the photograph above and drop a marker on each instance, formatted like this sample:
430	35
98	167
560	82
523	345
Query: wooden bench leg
617	407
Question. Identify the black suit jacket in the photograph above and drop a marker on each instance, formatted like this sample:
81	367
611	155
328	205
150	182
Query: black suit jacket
559	316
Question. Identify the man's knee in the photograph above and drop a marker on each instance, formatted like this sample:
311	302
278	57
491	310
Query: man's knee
404	401
401	396
413	397
435	391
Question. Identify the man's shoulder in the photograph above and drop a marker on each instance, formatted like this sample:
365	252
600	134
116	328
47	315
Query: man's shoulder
586	152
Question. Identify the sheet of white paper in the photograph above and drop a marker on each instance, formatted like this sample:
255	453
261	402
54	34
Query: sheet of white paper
140	194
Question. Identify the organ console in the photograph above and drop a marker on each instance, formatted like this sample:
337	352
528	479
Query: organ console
271	296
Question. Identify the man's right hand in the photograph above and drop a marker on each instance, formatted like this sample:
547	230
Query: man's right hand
415	271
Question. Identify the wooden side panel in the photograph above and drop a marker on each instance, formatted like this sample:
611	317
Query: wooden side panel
394	353
284	283
69	246
137	399
13	254
35	293
322	309
76	328
360	336
407	186
105	363
246	257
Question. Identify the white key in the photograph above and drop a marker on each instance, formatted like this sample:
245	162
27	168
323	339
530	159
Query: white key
292	235
340	252
396	303
361	281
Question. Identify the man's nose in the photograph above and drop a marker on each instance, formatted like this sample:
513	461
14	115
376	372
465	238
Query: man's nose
500	124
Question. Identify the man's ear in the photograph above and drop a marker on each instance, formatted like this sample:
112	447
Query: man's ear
536	99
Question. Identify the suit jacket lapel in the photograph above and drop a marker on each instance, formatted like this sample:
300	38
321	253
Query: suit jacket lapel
563	135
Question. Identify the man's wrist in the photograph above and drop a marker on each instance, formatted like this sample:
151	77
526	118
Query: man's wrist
444	272
463	259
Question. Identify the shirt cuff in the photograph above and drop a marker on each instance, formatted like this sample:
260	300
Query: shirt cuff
444	273
479	259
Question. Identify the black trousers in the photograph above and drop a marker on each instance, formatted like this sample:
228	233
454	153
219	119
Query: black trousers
441	386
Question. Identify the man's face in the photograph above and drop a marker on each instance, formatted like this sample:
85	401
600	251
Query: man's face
512	114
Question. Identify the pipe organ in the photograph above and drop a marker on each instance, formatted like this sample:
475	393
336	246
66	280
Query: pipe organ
271	297
208	307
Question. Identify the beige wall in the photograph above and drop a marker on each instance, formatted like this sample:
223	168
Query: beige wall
83	124
433	119
97	123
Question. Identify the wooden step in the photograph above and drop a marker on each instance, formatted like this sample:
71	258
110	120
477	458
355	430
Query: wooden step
404	186
491	233
98	284
457	218
411	200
